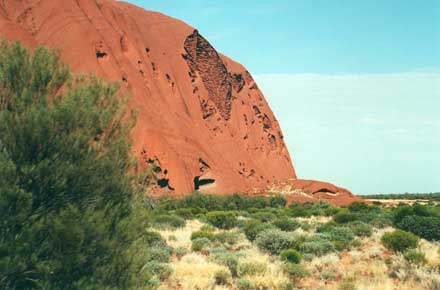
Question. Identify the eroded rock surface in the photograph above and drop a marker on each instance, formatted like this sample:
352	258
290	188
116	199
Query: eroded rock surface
200	114
202	121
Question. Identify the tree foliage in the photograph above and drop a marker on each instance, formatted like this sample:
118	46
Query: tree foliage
66	201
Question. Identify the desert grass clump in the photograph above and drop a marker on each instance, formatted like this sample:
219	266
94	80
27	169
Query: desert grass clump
251	268
194	271
166	221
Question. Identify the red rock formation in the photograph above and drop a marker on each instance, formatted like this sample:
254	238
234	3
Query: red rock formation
201	117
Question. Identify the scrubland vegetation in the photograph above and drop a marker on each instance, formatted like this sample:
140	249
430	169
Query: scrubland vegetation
74	216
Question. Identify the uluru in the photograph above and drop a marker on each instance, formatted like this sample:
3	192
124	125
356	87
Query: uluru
202	121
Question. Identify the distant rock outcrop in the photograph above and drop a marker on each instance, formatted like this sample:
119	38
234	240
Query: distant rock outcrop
202	121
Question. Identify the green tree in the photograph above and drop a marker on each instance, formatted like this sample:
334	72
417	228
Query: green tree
66	201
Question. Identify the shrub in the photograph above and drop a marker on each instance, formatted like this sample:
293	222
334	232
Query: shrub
341	237
254	227
154	239
323	208
297	210
251	268
427	227
223	257
277	201
230	238
358	206
66	200
344	217
291	256
323	228
180	252
244	284
361	229
164	221
399	241
296	271
286	224
264	216
202	234
328	275
161	270
318	245
185	213
347	284
159	253
222	219
415	257
200	244
222	277
274	241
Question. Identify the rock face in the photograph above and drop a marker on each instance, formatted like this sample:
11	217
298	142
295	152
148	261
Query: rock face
202	121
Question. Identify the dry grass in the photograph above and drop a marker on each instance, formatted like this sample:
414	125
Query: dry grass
181	238
362	268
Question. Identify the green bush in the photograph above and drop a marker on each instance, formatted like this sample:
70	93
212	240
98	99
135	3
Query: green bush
358	206
344	217
317	245
347	283
161	270
427	227
229	237
180	252
69	219
361	229
286	224
341	237
296	271
244	284
399	241
186	213
222	277
165	221
297	210
251	269
159	253
222	219
223	257
203	234
199	244
415	257
291	256
254	227
274	241
264	216
323	208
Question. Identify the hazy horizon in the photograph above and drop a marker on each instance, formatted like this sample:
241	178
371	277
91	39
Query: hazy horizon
355	86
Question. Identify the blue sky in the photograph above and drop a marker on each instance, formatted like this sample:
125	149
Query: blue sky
354	84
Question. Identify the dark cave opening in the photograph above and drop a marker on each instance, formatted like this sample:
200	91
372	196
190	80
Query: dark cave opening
201	182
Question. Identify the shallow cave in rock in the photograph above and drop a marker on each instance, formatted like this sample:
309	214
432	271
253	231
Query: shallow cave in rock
201	182
325	190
